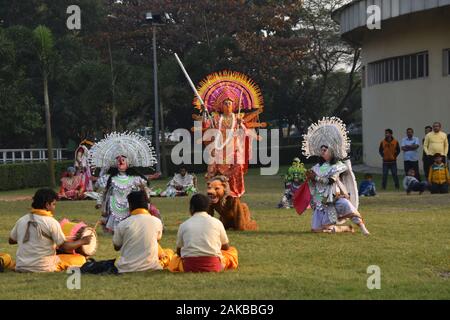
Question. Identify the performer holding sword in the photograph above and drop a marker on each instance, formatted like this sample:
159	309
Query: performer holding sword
229	102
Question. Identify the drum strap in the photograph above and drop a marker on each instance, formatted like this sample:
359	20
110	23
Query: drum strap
33	223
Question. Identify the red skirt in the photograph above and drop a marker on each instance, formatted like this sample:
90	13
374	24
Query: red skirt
202	264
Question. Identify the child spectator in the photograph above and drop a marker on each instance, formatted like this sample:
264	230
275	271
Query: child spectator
411	183
438	176
367	187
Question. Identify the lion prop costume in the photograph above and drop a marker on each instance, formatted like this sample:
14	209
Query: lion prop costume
234	214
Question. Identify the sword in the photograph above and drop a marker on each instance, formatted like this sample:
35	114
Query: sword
193	88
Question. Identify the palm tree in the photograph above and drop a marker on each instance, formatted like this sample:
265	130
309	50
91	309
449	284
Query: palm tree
44	45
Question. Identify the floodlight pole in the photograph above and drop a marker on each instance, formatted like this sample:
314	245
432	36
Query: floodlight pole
155	87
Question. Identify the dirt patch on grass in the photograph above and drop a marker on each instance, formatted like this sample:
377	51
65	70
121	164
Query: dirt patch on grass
15	198
445	274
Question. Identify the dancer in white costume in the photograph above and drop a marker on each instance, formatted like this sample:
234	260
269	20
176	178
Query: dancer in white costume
334	193
117	155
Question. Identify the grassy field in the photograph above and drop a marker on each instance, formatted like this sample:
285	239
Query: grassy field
410	242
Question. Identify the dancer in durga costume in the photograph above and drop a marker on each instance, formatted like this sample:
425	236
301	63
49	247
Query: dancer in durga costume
332	185
117	154
235	102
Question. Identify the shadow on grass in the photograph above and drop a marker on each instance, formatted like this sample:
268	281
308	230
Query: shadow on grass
269	233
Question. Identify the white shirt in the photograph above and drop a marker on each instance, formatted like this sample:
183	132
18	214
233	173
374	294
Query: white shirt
178	179
410	155
38	254
201	235
408	180
138	236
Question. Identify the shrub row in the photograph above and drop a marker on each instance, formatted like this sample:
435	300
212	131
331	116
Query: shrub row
33	175
29	175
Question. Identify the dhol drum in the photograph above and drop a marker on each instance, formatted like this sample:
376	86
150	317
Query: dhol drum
77	230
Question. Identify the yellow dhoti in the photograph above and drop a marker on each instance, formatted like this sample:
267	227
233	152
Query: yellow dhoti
229	261
65	261
165	256
69	260
7	261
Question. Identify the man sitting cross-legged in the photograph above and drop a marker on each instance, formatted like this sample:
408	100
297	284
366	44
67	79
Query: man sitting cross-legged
38	234
137	238
182	184
202	242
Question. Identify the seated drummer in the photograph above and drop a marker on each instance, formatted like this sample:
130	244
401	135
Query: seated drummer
137	238
39	234
202	242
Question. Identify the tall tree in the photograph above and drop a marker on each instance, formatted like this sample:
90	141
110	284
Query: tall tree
21	118
44	46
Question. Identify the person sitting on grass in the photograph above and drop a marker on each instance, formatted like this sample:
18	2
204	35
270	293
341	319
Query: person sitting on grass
38	234
410	183
438	176
202	242
367	187
182	184
296	170
291	188
72	187
137	236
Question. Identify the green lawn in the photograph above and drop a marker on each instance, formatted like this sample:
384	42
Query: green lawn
410	242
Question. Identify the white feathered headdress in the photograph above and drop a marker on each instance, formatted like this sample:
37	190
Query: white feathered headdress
138	150
330	132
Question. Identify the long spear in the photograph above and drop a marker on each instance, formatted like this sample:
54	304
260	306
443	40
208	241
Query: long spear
193	88
240	97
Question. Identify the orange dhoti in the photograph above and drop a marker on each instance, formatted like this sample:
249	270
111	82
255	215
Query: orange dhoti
165	256
69	260
229	261
65	261
7	262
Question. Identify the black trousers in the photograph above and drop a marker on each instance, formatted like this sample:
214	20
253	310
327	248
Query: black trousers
412	165
439	188
417	186
392	166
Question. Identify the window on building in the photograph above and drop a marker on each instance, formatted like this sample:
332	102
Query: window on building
402	68
413	67
386	71
407	67
396	69
363	77
446	64
421	66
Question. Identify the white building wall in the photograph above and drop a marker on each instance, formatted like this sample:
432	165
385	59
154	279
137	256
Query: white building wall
408	103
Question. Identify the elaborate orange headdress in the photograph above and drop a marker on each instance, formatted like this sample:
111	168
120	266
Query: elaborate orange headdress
220	86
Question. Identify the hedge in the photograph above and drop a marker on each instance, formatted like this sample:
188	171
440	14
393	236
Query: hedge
29	175
33	175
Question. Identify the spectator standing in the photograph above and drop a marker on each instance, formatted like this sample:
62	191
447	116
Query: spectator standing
410	147
448	153
389	150
425	162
